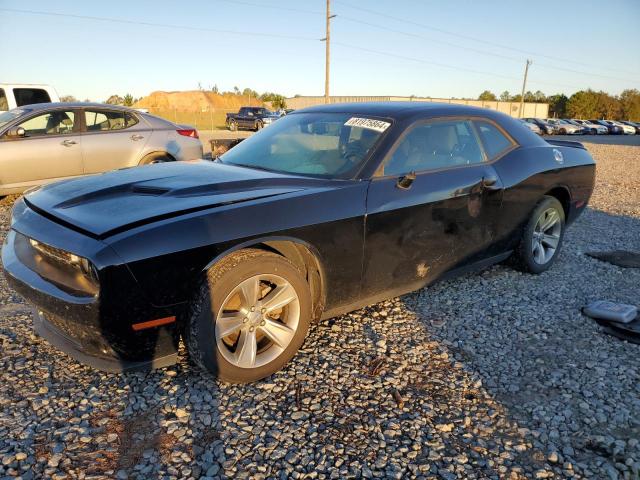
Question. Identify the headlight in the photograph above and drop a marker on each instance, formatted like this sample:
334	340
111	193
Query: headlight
84	265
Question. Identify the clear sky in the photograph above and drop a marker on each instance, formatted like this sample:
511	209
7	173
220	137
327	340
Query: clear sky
399	47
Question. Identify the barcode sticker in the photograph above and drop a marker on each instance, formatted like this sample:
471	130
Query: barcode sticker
368	123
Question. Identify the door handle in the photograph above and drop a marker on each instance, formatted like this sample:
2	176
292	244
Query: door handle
488	182
405	181
136	137
68	143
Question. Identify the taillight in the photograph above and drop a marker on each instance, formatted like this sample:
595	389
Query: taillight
188	132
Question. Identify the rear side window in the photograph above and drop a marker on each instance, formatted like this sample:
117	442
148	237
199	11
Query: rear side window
494	141
29	96
105	120
4	105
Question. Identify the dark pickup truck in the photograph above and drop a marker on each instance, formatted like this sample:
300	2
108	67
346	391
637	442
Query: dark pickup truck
251	118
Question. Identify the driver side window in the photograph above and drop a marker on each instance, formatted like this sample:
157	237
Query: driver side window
51	123
435	145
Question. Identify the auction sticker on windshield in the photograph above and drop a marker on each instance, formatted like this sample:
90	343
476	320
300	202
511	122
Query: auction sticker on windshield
369	123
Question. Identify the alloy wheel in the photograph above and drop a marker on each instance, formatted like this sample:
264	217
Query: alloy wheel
257	321
546	236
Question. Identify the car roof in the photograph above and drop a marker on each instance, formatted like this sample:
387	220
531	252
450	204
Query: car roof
44	106
401	110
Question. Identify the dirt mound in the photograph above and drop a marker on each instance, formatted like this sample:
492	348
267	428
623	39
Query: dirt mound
195	101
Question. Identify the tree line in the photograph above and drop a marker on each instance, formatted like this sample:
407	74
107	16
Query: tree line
582	104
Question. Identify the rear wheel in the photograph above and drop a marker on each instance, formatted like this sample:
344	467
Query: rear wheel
249	317
594	131
156	158
542	238
562	131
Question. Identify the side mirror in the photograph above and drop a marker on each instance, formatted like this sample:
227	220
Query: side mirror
17	132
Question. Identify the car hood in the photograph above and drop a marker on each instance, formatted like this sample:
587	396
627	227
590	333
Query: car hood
106	204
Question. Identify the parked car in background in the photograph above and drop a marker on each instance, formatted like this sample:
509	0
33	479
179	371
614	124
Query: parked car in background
635	125
251	118
531	126
44	142
613	129
594	128
626	129
565	128
543	125
13	95
328	210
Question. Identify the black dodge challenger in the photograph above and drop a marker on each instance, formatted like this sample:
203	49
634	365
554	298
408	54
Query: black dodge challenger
329	209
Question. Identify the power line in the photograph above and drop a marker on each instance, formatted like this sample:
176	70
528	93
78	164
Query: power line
444	65
441	42
161	25
467	37
273	7
476	50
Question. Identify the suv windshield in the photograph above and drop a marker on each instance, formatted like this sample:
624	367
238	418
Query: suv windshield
319	144
6	117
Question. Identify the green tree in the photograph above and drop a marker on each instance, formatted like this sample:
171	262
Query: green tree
248	92
583	104
277	101
505	96
630	104
115	100
68	98
128	100
539	97
609	106
557	105
487	96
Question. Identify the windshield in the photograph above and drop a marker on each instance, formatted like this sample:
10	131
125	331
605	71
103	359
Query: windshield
319	144
9	116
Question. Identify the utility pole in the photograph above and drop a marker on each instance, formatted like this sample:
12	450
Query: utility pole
524	84
327	39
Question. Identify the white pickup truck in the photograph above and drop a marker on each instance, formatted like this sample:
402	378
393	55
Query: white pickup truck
13	95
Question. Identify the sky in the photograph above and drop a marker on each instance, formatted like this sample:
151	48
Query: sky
431	48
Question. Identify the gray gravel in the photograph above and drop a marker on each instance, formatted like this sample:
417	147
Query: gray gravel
494	375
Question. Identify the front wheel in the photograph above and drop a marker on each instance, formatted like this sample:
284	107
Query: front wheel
249	317
233	126
259	126
542	238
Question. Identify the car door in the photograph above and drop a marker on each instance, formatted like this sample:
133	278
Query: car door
434	206
112	139
242	118
50	149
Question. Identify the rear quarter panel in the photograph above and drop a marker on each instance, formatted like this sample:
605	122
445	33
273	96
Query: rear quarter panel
529	173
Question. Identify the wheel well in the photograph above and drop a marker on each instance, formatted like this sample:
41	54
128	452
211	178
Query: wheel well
154	154
563	196
303	258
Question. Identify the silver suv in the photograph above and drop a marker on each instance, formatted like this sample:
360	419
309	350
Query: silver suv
51	141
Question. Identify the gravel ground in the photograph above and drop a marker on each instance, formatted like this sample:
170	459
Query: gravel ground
493	375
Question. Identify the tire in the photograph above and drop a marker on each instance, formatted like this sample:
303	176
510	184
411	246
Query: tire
156	158
218	353
233	126
562	131
527	256
259	126
594	131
